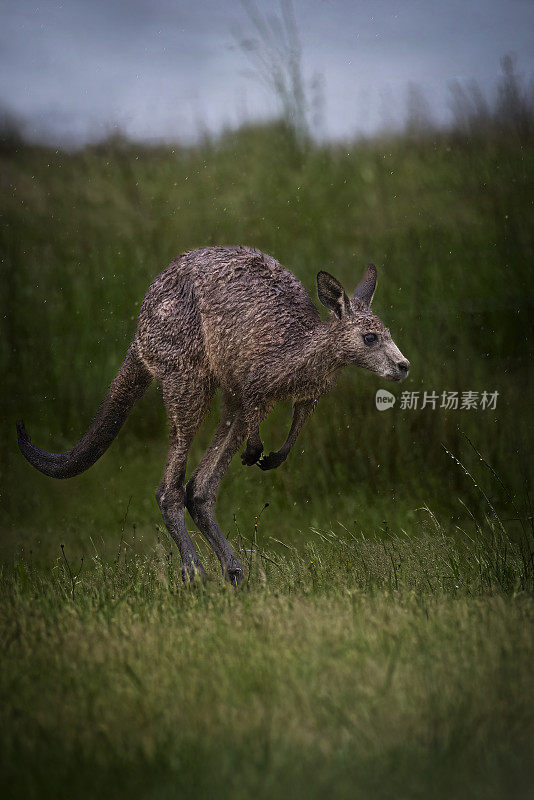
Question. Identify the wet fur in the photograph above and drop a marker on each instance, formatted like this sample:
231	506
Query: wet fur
231	318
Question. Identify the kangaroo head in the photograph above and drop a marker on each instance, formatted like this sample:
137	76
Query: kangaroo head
360	337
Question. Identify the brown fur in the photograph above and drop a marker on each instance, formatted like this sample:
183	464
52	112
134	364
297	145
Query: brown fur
233	318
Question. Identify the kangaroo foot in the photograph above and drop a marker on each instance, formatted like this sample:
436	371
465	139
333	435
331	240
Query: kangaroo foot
235	573
250	454
271	461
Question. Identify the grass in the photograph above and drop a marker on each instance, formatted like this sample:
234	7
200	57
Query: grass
381	644
361	667
368	666
449	223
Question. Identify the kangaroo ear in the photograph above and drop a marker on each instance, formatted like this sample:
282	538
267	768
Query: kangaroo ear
332	294
366	287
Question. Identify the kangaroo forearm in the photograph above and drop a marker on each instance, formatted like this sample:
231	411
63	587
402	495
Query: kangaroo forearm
254	440
301	411
253	450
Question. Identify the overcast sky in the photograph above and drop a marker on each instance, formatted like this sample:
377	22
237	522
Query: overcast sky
168	68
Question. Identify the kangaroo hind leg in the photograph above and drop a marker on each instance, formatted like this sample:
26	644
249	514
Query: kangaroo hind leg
202	488
186	410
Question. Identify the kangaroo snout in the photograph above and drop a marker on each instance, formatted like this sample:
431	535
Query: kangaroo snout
400	371
404	368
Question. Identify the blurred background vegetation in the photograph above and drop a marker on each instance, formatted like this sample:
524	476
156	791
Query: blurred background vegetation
446	214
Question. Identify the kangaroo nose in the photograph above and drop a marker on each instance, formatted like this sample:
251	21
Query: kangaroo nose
403	367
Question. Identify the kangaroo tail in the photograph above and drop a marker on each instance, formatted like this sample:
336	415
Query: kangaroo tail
127	387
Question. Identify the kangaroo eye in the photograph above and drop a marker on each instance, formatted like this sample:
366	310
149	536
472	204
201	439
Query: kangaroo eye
370	338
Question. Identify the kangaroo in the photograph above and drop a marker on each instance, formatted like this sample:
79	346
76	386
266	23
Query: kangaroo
231	318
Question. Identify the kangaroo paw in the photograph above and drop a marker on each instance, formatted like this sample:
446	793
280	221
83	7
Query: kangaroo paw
250	455
235	574
271	461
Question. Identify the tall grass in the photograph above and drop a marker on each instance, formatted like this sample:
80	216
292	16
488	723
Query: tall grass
449	223
397	663
371	666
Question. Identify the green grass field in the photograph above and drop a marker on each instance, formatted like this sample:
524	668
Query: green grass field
381	644
449	224
359	668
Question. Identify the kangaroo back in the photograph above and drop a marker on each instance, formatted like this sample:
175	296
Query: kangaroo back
127	387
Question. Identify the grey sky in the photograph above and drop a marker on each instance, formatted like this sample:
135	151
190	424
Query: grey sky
162	68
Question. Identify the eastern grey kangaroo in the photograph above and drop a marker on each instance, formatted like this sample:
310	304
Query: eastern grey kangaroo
234	318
